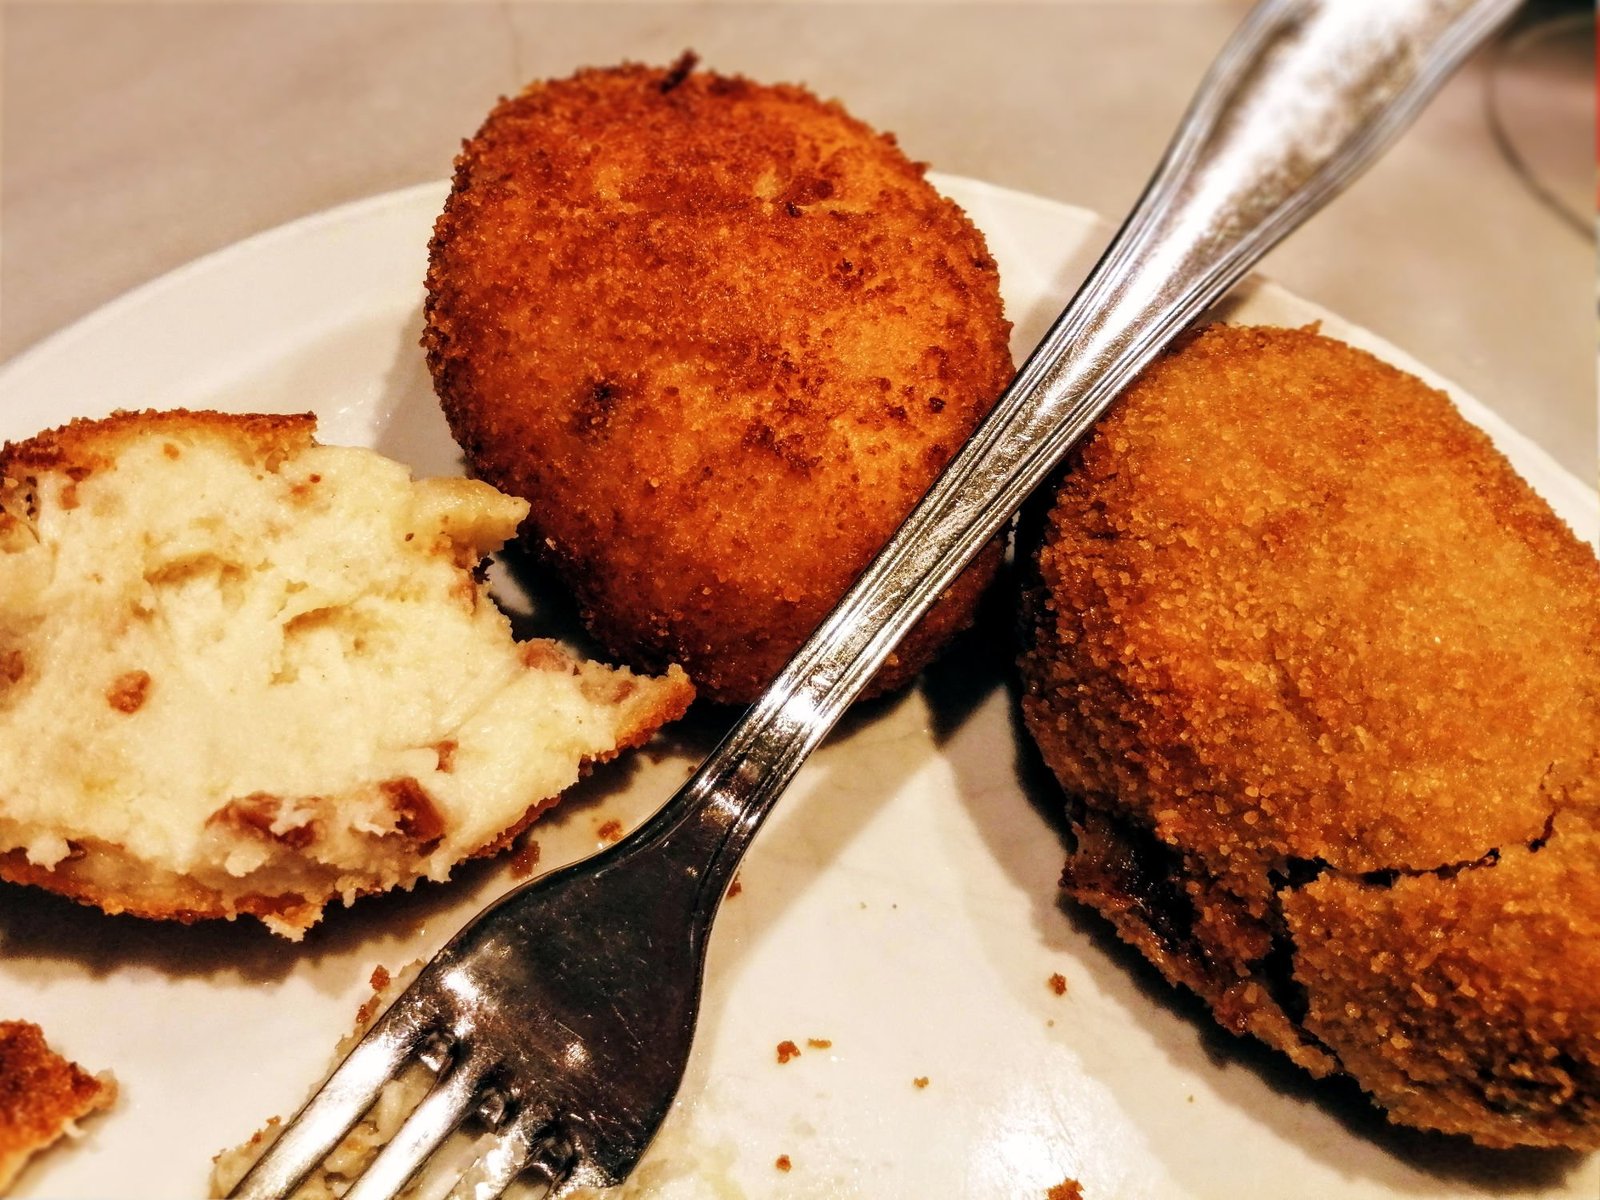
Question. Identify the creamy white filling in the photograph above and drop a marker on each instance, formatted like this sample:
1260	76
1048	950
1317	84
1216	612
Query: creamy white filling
200	631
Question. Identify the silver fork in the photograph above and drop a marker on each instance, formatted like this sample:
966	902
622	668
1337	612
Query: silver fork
563	1015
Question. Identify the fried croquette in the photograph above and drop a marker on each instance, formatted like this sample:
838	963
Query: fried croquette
721	336
1321	677
242	672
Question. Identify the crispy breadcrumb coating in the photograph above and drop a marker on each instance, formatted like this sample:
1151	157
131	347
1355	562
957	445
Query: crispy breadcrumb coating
42	1096
720	336
1322	677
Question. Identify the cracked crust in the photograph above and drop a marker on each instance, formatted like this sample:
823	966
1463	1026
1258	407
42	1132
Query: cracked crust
1321	675
42	1097
1514	980
721	336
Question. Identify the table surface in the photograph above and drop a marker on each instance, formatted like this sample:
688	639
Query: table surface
138	136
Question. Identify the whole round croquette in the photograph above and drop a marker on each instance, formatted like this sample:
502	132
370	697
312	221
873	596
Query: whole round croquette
1321	676
721	336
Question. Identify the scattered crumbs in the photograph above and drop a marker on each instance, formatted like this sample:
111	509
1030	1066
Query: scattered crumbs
787	1050
611	831
259	1137
863	904
1191	1099
369	1006
921	1081
1058	984
735	887
525	859
1050	1023
1067	1189
782	1163
819	1043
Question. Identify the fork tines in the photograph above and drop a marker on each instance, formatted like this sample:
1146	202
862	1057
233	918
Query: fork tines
410	1045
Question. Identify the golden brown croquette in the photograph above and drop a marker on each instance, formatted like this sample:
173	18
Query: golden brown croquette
721	336
1321	676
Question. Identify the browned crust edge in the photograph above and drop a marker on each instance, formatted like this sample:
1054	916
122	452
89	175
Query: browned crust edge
87	442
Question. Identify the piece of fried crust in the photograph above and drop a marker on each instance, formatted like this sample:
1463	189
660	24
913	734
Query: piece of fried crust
42	1097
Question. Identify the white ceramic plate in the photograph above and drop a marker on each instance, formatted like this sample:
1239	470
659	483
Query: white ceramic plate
902	904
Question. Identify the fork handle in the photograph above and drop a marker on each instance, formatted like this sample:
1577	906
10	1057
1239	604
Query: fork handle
1304	95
